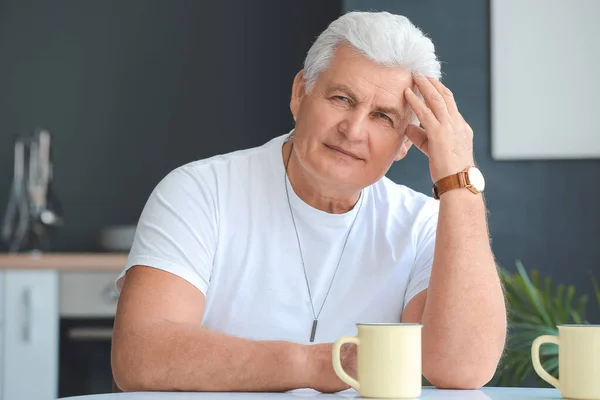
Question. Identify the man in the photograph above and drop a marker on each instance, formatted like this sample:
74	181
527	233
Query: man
247	266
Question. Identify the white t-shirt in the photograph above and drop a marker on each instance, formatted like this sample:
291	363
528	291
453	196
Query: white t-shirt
224	225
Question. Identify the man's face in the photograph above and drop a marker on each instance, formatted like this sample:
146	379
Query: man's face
350	128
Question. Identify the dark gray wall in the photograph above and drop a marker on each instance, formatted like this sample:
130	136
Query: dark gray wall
131	89
545	213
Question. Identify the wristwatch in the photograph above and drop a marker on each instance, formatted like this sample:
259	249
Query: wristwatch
470	178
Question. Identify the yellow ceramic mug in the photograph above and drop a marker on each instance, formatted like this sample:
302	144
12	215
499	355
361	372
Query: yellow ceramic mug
578	361
389	360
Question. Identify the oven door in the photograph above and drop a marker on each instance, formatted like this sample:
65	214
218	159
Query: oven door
88	303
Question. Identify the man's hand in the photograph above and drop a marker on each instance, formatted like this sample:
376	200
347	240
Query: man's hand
322	377
446	139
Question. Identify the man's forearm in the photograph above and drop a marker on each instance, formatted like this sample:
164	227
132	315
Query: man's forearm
168	356
464	319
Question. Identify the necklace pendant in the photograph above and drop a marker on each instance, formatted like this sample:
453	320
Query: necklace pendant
313	330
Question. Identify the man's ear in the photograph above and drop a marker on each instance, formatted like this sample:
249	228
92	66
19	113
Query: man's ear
404	147
298	92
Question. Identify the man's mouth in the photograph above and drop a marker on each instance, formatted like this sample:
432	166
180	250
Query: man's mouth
345	152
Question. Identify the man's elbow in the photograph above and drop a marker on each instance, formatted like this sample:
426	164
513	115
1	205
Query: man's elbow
130	374
467	378
130	382
127	380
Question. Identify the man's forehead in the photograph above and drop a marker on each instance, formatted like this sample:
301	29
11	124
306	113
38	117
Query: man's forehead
390	80
392	95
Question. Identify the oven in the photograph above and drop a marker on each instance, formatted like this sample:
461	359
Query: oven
88	301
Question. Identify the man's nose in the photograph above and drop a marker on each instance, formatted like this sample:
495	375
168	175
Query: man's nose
353	125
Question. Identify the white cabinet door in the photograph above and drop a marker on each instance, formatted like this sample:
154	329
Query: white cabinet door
30	335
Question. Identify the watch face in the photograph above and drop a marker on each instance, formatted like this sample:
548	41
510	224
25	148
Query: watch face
476	179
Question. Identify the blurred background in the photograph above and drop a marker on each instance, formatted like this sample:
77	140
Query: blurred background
119	93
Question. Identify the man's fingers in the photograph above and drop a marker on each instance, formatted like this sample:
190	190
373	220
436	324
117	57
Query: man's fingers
447	95
425	115
418	137
432	96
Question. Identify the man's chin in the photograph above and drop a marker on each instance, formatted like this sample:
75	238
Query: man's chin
336	174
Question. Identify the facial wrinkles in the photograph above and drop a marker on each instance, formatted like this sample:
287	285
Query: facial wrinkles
368	85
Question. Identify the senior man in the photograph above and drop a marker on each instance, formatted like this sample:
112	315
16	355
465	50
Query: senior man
247	266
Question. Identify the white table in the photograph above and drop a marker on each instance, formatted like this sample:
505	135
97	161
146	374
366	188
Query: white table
428	393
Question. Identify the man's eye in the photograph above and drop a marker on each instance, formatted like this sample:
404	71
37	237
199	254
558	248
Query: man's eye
342	98
383	116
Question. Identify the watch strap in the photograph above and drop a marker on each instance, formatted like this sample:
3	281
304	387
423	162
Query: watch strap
456	181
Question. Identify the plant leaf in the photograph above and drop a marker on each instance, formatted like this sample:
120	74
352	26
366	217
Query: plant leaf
521	316
548	288
596	291
549	351
535	278
539	329
558	303
580	308
534	295
534	310
522	370
548	298
520	308
552	366
568	301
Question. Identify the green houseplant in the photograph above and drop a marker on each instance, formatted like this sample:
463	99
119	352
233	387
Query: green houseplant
536	307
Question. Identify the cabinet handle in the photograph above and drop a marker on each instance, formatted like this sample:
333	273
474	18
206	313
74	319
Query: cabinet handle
27	320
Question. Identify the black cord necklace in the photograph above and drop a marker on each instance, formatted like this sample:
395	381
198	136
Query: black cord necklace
313	330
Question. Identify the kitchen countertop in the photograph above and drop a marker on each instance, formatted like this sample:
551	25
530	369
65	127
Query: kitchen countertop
65	261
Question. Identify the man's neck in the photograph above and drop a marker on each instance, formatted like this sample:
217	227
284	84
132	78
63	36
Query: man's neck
319	195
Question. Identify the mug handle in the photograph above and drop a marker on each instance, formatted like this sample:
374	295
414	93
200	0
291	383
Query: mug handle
535	358
337	360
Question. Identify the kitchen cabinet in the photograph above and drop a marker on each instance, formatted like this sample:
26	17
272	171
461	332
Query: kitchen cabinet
30	319
29	333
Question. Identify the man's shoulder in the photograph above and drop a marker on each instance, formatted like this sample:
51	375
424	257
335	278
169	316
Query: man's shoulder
256	154
205	175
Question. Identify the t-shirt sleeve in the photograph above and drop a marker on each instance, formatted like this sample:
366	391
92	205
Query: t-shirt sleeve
425	234
177	229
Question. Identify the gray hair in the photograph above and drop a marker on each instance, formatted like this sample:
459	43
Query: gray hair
384	38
